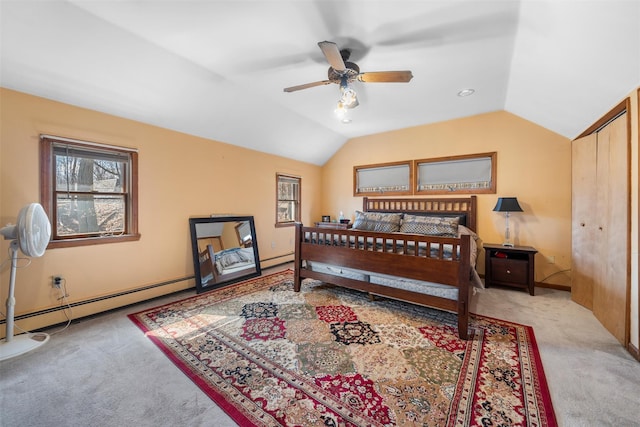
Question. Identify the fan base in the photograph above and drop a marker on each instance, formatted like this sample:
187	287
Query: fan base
21	344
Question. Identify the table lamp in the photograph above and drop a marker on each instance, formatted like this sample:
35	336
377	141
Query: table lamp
507	205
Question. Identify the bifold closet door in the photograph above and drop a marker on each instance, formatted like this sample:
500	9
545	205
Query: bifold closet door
583	224
610	298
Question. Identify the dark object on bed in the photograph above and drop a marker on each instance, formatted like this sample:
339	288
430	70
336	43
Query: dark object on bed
407	257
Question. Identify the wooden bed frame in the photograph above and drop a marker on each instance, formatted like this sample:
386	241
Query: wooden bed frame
391	259
207	265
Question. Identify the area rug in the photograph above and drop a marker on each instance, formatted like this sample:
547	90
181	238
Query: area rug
328	356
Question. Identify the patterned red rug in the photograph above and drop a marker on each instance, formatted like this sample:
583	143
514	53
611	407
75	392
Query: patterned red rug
328	356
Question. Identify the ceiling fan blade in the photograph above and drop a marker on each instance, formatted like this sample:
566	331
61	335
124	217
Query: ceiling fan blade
307	86
386	77
332	53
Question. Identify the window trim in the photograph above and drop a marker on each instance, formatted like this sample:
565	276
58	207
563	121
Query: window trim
47	192
298	201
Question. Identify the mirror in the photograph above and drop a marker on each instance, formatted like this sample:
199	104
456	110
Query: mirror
225	250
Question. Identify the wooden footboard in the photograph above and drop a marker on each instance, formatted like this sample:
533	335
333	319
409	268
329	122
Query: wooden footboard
413	256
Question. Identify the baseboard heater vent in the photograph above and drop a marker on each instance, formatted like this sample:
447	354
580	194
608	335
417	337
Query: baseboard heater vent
276	257
118	294
97	299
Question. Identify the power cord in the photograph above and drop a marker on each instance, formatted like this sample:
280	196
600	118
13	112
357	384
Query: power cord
63	302
19	258
553	274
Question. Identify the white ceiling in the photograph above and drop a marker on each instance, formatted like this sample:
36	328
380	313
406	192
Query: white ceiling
217	69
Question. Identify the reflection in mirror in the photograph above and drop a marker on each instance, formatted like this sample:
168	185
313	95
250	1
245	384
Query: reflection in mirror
225	250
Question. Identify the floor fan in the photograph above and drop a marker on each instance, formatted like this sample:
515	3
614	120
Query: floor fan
31	235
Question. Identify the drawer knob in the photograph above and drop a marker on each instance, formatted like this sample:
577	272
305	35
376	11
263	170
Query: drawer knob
508	271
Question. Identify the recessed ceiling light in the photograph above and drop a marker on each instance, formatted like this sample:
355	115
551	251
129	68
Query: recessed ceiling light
466	92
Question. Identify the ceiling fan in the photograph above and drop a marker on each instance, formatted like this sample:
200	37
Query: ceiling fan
344	73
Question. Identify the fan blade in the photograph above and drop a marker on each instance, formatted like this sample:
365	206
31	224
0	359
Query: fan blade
306	86
332	53
386	77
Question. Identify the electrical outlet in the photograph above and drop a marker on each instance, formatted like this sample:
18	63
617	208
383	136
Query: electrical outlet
56	281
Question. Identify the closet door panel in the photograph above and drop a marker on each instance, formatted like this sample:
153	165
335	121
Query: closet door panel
601	230
611	287
583	188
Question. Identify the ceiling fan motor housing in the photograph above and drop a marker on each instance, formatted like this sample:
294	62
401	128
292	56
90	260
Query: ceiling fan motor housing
351	72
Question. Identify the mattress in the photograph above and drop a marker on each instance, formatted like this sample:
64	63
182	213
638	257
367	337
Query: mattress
427	288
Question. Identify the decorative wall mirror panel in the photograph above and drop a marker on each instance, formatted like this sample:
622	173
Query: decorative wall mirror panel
225	250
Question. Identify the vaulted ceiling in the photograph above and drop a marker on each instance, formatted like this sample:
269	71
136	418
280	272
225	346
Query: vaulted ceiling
217	69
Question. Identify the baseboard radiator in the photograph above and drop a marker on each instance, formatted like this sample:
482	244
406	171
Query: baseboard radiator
273	261
97	299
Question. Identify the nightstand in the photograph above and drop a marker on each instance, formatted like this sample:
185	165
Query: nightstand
509	266
336	225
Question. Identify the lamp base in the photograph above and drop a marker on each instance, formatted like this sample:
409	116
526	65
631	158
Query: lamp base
508	244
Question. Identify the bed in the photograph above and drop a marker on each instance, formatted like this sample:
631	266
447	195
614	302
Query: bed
429	260
225	264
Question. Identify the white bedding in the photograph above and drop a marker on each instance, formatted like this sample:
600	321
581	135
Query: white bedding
429	288
230	261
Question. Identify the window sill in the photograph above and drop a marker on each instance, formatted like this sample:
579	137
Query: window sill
89	241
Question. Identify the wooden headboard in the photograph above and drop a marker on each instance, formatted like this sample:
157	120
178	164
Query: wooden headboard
459	206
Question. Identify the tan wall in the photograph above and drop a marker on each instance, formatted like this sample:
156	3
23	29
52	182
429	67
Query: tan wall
534	164
180	176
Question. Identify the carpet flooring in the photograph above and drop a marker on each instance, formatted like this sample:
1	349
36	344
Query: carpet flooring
102	371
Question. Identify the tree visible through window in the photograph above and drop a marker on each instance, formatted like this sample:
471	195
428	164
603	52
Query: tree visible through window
89	192
288	200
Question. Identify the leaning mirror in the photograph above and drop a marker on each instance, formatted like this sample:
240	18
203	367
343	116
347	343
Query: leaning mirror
225	250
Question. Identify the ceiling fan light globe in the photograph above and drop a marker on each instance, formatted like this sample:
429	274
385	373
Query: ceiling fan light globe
349	97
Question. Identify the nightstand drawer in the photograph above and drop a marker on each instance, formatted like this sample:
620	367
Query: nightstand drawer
510	270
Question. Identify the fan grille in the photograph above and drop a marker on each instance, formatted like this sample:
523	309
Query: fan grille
34	230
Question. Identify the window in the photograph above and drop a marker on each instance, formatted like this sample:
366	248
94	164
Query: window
245	236
471	174
288	200
385	179
89	192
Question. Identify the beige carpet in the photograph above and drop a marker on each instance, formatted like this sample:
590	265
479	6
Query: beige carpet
104	372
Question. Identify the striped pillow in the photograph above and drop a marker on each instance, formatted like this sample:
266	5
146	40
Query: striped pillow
380	222
431	225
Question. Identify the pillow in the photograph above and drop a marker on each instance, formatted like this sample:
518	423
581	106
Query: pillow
431	225
380	222
464	230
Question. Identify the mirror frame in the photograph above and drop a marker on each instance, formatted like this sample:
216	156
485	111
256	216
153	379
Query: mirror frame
235	277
